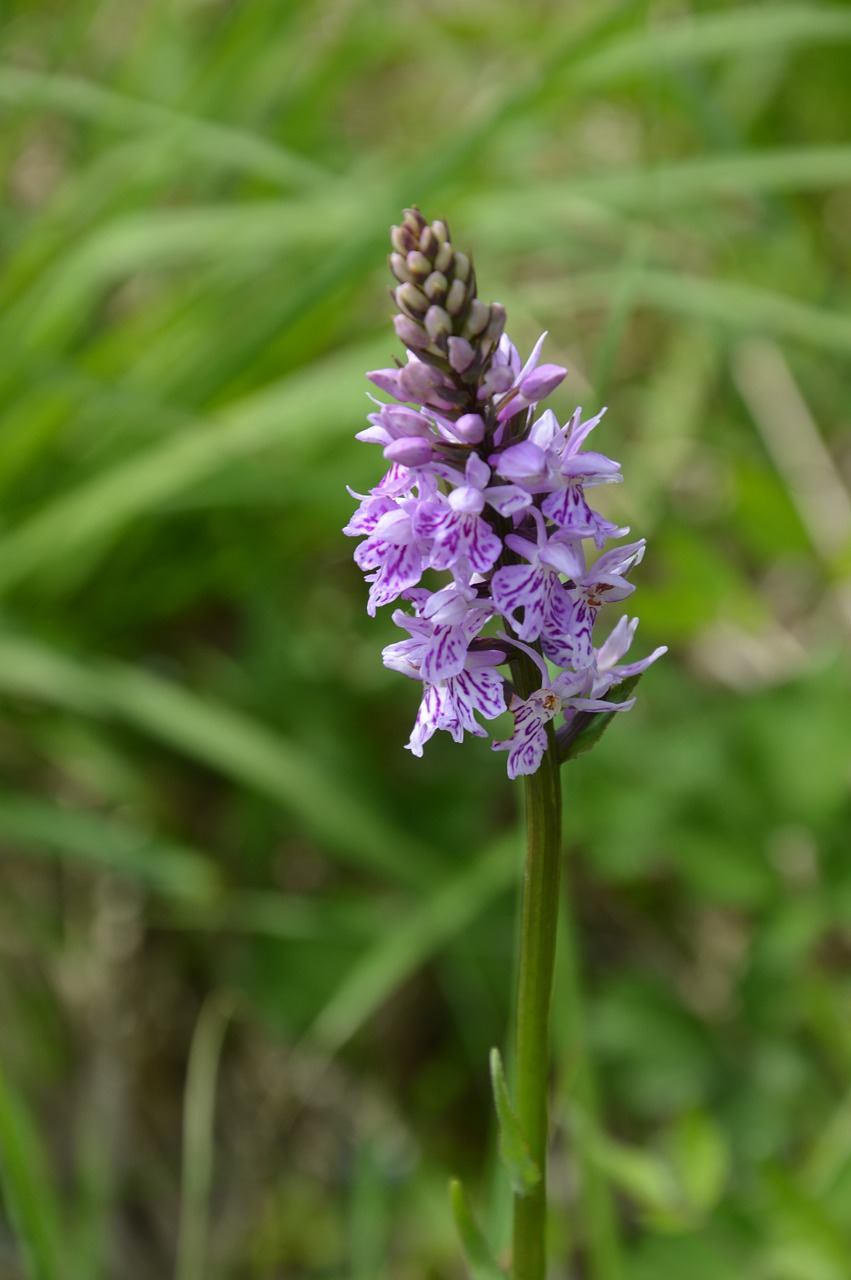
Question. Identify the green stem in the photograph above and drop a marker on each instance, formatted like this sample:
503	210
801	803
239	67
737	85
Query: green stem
538	932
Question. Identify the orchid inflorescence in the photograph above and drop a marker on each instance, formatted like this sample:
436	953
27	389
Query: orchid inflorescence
483	489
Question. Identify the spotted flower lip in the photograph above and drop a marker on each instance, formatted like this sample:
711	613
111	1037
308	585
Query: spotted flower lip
488	491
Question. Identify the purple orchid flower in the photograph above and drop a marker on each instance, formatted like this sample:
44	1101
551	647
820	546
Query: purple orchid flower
453	704
443	625
482	490
534	383
564	693
456	527
534	588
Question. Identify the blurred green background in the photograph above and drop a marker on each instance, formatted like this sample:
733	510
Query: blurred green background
254	955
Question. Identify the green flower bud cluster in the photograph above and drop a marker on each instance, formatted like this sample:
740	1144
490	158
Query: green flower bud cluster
441	320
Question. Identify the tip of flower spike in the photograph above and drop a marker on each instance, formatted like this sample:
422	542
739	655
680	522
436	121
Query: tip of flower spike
441	318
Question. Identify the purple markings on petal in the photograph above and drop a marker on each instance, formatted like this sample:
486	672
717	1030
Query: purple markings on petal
454	704
445	655
367	516
527	744
522	586
431	716
401	567
457	535
479	691
569	510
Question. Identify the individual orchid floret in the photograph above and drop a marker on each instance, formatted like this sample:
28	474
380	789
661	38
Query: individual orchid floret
454	703
566	634
532	587
368	514
456	528
573	472
608	668
395	422
397	553
441	630
566	692
534	382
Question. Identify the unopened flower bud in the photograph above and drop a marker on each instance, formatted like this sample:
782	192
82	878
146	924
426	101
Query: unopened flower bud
402	238
418	264
496	324
422	384
429	243
461	354
441	230
542	381
411	451
469	428
477	319
411	300
444	257
497	380
438	323
456	298
435	286
415	220
409	332
386	380
463	267
399	267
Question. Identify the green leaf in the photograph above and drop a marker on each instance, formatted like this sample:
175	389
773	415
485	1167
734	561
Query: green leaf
513	1148
27	1191
805	1228
589	726
480	1261
701	1158
644	1176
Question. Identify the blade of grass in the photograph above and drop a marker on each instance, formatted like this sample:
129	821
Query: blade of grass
276	915
660	188
738	307
713	35
442	914
223	739
99	841
299	413
215	144
198	1115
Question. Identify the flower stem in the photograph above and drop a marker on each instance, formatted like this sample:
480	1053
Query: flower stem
539	922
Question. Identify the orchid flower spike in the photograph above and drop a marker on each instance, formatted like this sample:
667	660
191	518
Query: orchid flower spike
485	490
